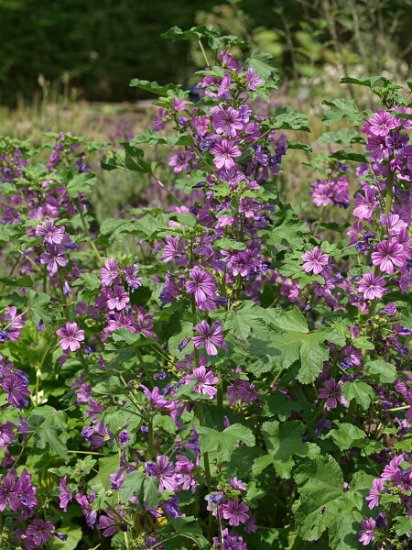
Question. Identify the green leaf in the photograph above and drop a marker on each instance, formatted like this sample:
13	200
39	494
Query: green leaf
189	528
344	136
144	487
240	322
288	232
349	155
81	183
134	159
153	87
342	108
74	536
369	81
313	353
382	370
8	231
228	244
361	392
285	119
285	440
263	64
89	281
124	335
25	282
320	486
280	405
224	443
347	436
402	525
37	303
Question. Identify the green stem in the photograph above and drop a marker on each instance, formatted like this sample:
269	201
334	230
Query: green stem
150	436
203	52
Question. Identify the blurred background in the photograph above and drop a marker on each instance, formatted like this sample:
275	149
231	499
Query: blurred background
65	65
91	49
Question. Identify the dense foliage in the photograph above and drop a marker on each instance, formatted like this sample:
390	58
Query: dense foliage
210	370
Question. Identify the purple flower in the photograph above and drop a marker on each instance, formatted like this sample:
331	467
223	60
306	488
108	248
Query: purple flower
51	233
117	298
365	205
332	391
210	337
53	258
14	322
252	79
156	399
392	469
6	434
373	497
242	390
130	277
15	383
367	535
164	470
315	260
38	533
9	492
224	152
372	286
71	336
124	437
203	286
237	484
388	255
108	524
110	272
236	512
65	494
174	251
381	123
180	161
205	381
227	122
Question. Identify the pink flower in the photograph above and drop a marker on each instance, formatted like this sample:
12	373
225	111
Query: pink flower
225	151
117	298
388	255
110	272
228	122
315	260
381	123
210	337
52	234
71	336
236	512
392	469
372	286
367	535
203	286
332	391
365	205
373	497
205	381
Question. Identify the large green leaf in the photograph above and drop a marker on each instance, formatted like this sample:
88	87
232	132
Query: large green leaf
320	487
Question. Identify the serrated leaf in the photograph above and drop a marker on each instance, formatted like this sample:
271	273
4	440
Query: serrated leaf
143	486
81	183
347	436
263	65
342	108
320	486
382	370
153	87
361	392
285	440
